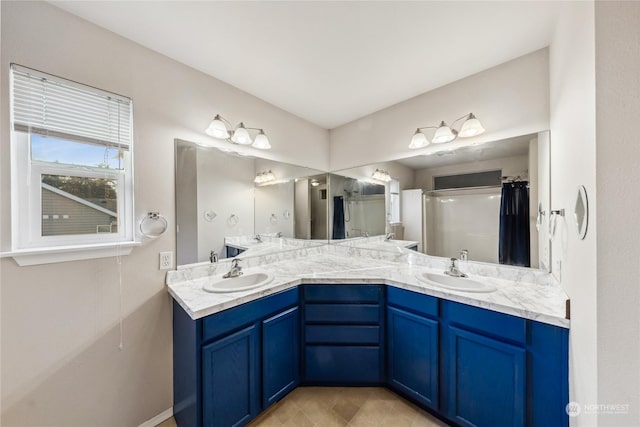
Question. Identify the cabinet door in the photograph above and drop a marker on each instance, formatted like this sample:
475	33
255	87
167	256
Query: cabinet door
230	379
280	355
486	381
413	356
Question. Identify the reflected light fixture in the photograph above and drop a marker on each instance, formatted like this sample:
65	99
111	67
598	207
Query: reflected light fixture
221	128
381	175
264	177
443	133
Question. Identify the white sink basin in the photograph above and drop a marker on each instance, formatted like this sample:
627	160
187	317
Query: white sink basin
237	284
462	284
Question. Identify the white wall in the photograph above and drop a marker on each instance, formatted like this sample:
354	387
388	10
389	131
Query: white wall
61	364
573	154
617	60
511	99
225	186
272	204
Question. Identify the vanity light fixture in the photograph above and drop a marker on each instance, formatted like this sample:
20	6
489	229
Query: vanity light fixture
264	177
443	133
220	128
381	175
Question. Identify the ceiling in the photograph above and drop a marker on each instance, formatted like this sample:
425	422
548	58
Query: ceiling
330	62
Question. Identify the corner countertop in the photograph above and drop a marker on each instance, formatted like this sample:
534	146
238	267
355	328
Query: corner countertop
526	293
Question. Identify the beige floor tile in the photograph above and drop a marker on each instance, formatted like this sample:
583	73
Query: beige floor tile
266	420
285	410
325	418
357	395
346	409
171	422
299	419
340	407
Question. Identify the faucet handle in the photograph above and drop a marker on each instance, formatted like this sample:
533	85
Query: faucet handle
213	256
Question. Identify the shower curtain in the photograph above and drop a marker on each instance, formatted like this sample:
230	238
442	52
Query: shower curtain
338	218
514	225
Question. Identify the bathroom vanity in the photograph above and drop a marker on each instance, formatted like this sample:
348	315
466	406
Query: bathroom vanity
340	316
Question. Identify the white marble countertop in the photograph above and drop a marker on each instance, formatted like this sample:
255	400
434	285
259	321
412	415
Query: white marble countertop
527	293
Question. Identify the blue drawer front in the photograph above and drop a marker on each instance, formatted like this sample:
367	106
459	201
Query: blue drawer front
496	324
342	334
342	313
417	303
342	364
228	320
343	293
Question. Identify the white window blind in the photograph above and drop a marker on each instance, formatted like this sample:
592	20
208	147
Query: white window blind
57	107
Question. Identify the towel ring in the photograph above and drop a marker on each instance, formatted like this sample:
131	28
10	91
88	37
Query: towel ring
233	220
153	225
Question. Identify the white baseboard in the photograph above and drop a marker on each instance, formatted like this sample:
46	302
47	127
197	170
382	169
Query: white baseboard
163	416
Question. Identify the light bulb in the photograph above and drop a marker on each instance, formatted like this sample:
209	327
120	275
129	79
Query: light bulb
261	141
217	128
419	140
471	127
241	135
444	134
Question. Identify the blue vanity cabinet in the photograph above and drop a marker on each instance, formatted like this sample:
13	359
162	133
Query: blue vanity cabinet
502	370
230	384
232	251
229	366
280	355
413	346
343	334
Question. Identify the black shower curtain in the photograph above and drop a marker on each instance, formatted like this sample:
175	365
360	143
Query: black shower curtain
338	218
514	225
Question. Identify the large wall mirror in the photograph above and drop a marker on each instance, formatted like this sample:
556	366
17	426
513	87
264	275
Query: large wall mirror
226	200
491	200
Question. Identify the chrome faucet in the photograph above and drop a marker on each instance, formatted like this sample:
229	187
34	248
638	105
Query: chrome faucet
464	255
235	270
279	234
453	270
258	238
213	256
389	236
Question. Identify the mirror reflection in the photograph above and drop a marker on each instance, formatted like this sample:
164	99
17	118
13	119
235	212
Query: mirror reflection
227	203
485	201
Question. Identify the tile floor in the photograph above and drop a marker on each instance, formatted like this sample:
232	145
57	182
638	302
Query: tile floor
341	406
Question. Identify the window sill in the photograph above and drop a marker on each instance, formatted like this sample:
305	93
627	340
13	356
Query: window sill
37	256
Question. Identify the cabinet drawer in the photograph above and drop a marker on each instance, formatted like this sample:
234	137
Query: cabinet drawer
412	301
343	293
342	334
490	322
342	313
342	364
228	320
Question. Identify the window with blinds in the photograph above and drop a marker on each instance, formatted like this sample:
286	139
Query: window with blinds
72	165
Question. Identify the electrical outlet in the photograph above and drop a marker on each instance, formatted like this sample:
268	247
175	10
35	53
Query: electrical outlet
166	260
